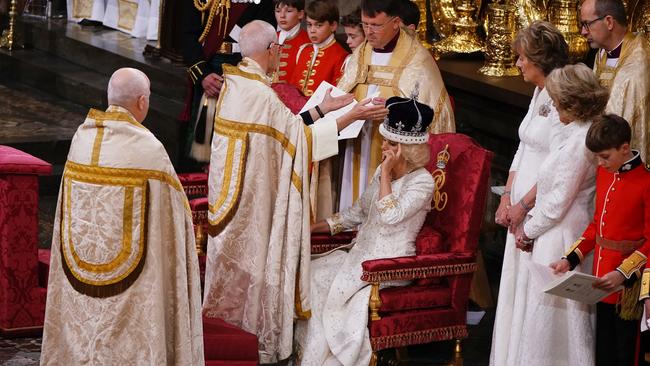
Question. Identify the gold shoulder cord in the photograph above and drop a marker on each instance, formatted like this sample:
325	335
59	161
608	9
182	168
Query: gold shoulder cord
220	7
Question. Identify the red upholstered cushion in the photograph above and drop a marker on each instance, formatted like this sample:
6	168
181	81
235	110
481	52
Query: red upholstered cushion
223	341
414	297
193	178
43	267
230	363
290	96
199	204
14	161
429	241
416	320
467	172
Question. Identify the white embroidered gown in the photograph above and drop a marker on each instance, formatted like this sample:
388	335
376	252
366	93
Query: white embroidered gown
536	132
557	331
337	332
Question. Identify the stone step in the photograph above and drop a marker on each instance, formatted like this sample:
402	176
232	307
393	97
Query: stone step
86	87
103	50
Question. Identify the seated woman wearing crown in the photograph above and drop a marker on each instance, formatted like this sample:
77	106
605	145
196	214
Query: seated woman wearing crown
389	215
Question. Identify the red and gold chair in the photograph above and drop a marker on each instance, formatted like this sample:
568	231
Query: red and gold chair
433	307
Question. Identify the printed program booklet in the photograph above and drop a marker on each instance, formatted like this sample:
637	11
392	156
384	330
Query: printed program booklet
571	285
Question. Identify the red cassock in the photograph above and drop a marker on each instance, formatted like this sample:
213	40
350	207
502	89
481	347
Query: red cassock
288	54
307	76
620	230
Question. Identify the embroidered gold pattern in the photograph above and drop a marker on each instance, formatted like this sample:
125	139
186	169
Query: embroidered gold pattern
574	247
420	272
387	203
632	264
439	177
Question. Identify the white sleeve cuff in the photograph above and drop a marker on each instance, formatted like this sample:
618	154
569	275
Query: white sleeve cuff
325	137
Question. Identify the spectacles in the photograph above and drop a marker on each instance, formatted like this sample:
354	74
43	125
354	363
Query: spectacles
375	27
271	45
587	24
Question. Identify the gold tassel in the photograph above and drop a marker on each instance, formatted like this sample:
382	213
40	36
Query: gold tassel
629	307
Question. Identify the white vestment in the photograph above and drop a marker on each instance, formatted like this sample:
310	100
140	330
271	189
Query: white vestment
337	332
124	284
139	18
258	192
399	73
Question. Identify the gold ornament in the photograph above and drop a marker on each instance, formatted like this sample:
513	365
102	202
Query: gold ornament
421	30
499	58
563	14
7	40
465	38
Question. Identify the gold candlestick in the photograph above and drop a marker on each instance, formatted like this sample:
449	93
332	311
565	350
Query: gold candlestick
563	14
465	38
499	58
421	31
7	39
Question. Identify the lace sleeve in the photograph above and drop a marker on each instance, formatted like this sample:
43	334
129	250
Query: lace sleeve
558	188
413	196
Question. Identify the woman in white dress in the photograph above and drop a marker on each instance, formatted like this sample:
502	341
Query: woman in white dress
560	331
389	214
541	48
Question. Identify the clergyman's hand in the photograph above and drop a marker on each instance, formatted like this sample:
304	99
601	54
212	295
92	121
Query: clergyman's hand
331	103
212	85
366	110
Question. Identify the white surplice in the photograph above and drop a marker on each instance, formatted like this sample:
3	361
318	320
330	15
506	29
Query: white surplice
537	130
124	284
138	18
258	193
337	332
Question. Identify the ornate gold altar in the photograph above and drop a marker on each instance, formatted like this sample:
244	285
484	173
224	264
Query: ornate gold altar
462	24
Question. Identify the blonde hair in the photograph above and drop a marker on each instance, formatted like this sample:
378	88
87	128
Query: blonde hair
416	155
575	90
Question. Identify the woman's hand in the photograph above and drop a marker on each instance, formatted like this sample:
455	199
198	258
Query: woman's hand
390	160
522	241
561	266
501	216
515	216
331	103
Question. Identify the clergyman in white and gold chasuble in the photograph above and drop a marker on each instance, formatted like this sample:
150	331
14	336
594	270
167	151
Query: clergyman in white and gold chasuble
628	80
124	283
259	244
399	73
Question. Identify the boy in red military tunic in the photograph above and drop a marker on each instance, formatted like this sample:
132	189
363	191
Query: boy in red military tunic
322	59
289	14
619	234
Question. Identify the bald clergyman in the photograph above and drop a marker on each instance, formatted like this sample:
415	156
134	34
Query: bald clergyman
259	246
124	280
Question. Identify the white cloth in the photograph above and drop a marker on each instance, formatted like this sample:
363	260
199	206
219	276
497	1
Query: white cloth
555	330
536	134
337	332
379	59
258	192
119	176
138	18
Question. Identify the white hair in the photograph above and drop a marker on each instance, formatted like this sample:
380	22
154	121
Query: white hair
126	86
256	37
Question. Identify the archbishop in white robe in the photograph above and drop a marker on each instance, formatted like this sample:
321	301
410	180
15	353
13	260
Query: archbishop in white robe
259	244
124	280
